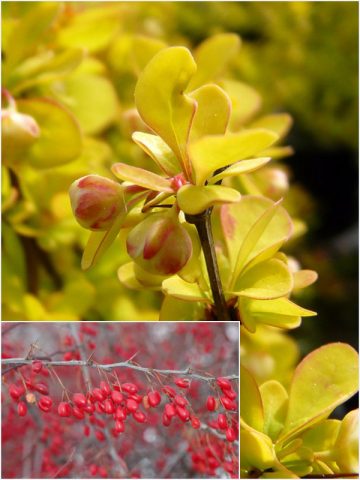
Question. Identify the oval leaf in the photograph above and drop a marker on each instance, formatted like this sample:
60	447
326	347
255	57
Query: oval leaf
160	100
141	177
266	280
157	149
323	380
60	138
193	199
213	55
99	242
213	111
274	398
210	153
245	166
251	409
178	288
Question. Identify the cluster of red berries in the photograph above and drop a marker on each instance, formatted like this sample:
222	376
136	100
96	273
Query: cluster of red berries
207	458
120	401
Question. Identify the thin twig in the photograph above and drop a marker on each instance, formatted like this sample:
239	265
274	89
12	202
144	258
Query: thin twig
188	372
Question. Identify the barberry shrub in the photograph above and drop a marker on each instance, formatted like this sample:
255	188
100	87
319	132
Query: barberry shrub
118	400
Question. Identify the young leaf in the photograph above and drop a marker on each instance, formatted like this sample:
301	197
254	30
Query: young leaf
175	309
160	100
266	280
29	31
238	220
279	312
304	278
217	151
143	49
280	123
99	242
213	111
252	410
212	56
129	276
94	101
60	138
323	380
259	451
157	149
245	102
141	177
274	399
193	199
251	239
178	288
346	449
92	29
245	166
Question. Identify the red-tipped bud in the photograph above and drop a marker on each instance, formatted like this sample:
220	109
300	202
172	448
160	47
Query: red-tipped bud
160	244
18	132
96	201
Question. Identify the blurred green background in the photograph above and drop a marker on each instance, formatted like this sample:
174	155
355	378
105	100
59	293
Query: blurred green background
302	57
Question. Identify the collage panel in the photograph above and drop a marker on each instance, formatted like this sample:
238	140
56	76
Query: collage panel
120	400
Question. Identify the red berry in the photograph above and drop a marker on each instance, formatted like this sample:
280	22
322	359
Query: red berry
22	409
93	469
89	408
182	382
139	416
36	366
102	472
119	426
227	403
45	403
41	388
230	394
183	413
117	397
195	423
131	405
170	410
67	356
223	383
98	395
86	430
100	435
78	413
222	422
135	396
230	434
109	406
181	401
129	388
120	414
166	420
15	392
64	409
154	398
105	388
79	399
169	391
211	403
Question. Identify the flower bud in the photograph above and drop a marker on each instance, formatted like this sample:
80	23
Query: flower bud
96	201
160	244
273	182
18	132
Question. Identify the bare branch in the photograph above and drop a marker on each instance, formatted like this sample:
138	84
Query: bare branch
188	372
